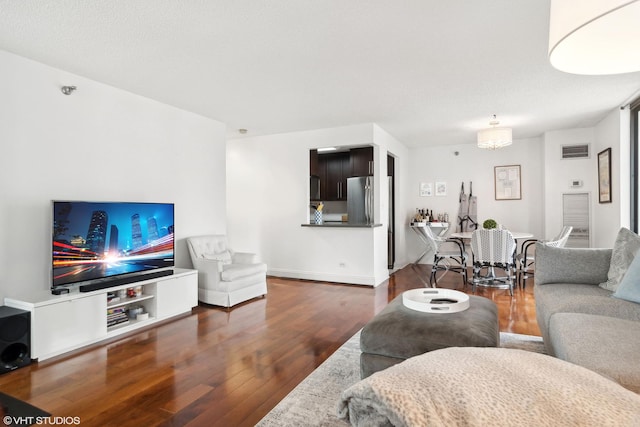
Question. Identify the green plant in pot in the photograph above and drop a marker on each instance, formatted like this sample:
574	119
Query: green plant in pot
489	224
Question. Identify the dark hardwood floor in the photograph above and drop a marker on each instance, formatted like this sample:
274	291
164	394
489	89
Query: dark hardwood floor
226	368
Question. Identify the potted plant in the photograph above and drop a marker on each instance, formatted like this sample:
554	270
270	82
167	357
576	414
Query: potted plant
489	224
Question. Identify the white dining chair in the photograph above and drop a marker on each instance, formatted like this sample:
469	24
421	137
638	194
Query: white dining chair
493	249
448	255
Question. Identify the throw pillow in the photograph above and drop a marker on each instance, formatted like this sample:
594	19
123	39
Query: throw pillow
225	257
629	287
624	250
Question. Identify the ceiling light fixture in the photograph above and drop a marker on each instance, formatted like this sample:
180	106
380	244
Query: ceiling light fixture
494	137
595	37
325	149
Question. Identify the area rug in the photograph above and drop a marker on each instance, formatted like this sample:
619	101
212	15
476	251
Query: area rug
314	401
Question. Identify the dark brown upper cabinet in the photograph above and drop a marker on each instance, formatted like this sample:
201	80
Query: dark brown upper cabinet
338	168
314	168
361	161
331	170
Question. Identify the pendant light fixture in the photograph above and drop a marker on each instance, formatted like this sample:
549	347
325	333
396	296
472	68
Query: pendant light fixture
494	137
595	37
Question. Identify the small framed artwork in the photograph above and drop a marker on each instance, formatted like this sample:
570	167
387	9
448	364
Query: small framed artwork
441	188
426	189
507	182
604	176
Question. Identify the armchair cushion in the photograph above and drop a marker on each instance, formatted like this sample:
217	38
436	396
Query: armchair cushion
244	258
224	257
233	272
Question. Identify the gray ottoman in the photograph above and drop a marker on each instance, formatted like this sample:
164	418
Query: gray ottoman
398	333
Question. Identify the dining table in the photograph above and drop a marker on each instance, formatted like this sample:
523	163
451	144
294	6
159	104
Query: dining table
466	235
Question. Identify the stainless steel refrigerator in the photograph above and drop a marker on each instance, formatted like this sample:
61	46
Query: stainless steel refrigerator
391	244
360	200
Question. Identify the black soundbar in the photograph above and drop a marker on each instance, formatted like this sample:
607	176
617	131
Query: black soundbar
124	280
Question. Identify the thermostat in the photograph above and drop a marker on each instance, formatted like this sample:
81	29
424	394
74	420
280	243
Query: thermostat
575	183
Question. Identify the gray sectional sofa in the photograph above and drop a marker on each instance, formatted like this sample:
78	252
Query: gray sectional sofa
581	322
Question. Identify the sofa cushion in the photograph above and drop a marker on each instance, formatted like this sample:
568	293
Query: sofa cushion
233	272
571	265
606	345
624	251
574	298
629	287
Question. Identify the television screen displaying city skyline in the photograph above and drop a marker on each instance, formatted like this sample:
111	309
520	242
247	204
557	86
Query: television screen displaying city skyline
97	240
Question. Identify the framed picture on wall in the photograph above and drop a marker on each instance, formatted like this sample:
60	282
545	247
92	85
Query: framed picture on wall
604	176
441	188
507	182
426	189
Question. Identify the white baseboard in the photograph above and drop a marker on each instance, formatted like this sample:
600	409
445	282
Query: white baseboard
399	266
323	277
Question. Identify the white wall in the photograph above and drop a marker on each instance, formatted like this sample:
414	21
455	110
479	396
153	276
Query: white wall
606	218
613	132
471	164
268	200
558	173
387	144
99	143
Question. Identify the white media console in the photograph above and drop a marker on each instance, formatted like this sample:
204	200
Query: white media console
61	323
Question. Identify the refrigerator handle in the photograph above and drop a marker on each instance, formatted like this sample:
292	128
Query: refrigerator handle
371	201
367	204
368	200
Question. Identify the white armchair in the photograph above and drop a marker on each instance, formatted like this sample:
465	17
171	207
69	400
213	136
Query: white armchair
225	277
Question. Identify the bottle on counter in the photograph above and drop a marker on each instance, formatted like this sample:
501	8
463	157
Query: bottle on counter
416	217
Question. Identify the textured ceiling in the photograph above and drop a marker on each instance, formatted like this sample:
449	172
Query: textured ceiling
429	72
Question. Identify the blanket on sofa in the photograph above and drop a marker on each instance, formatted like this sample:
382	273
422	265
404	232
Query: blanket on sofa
488	386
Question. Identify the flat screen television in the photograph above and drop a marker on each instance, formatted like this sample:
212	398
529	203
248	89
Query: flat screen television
97	243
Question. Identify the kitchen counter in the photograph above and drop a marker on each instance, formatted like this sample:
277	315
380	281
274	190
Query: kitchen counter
339	224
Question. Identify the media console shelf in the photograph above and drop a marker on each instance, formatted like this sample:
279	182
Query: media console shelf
61	323
118	308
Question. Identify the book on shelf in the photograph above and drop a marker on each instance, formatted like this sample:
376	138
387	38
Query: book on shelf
117	316
112	297
119	321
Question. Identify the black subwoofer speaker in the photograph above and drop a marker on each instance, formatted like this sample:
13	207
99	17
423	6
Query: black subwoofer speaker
15	338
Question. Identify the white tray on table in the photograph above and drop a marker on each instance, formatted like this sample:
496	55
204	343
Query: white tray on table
435	300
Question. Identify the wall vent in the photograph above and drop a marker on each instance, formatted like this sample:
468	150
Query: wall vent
580	151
